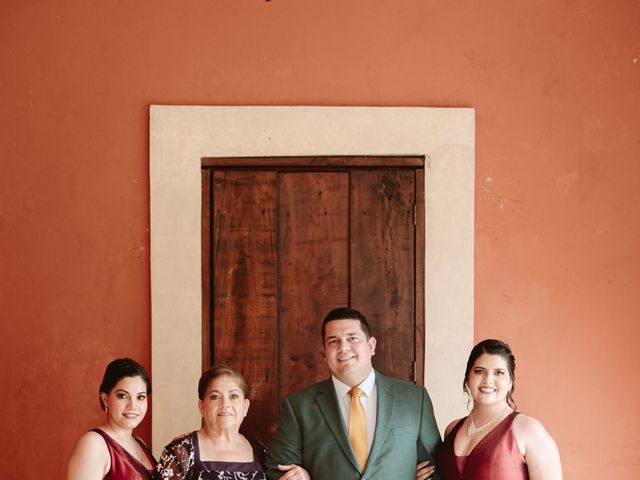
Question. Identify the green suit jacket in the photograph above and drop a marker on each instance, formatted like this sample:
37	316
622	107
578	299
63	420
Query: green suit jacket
311	433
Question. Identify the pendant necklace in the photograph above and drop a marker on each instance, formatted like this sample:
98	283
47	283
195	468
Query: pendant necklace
136	451
130	447
472	429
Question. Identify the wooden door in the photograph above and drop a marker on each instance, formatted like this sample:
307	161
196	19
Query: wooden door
285	240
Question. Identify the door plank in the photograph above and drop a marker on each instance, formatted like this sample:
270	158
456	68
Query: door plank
206	212
245	286
313	269
382	263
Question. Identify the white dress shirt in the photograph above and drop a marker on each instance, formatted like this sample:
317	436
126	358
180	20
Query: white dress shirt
368	399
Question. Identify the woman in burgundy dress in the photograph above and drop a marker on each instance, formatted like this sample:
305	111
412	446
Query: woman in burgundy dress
111	451
495	442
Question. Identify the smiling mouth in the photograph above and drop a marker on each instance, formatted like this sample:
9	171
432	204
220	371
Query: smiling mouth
130	415
487	390
346	359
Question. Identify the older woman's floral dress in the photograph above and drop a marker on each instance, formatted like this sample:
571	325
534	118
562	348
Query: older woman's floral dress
180	460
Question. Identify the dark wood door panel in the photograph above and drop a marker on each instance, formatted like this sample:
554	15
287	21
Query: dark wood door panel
285	245
245	285
382	263
314	269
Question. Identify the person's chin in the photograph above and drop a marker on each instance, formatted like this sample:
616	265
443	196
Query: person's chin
349	364
344	368
488	399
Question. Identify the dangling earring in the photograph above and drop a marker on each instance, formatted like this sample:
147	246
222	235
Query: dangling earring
467	392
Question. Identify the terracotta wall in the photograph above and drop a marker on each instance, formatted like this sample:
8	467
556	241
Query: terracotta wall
556	88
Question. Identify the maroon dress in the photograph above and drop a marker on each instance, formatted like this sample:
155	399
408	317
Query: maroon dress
125	466
496	457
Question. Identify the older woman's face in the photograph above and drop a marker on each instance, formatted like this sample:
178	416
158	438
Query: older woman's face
224	405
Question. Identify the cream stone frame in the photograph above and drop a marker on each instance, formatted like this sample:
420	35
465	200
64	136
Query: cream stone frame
181	135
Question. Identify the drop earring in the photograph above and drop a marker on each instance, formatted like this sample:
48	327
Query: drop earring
467	392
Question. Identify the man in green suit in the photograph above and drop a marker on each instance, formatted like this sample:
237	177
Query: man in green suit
322	429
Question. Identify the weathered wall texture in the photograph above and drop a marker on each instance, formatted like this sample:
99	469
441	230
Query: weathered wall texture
556	90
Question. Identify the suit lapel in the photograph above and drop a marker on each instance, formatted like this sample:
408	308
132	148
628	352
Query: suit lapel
328	404
386	397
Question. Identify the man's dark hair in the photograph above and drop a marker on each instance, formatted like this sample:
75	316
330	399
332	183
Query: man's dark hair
346	313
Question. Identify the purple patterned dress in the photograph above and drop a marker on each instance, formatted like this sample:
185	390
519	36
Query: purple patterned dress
180	460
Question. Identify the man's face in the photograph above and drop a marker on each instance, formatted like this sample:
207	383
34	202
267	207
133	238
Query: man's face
347	351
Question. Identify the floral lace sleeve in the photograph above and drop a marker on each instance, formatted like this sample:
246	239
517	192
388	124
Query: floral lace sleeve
176	460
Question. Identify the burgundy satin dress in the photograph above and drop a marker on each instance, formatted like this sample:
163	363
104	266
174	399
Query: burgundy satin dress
496	457
125	466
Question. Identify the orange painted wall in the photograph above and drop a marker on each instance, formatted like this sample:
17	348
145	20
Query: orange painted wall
556	88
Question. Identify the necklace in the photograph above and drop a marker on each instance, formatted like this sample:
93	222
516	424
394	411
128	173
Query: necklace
136	451
472	430
130	445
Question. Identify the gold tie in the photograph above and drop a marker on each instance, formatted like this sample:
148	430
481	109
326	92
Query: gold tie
357	427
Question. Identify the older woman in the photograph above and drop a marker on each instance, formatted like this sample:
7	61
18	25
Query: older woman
495	442
111	451
217	450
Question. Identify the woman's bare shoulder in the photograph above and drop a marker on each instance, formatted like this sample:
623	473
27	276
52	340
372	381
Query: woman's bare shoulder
90	458
530	433
93	441
538	447
528	425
